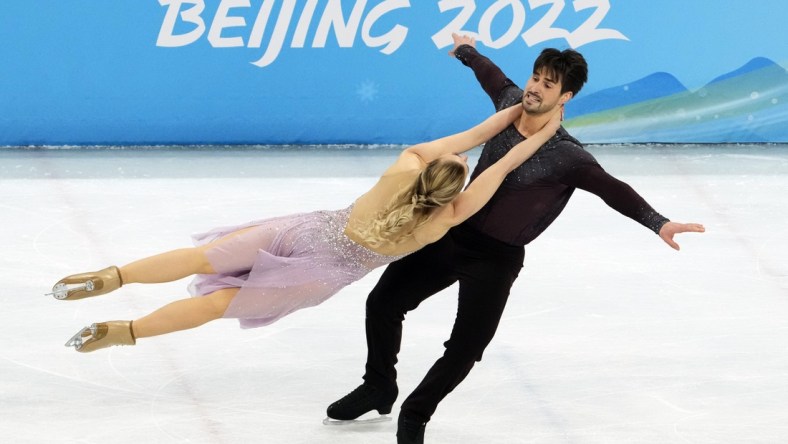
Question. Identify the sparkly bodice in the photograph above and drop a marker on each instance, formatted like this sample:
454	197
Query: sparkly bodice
284	264
355	254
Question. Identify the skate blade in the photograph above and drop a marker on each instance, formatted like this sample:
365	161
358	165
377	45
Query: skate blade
77	340
342	422
63	291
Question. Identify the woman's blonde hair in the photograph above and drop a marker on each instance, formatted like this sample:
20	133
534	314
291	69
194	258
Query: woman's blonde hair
438	184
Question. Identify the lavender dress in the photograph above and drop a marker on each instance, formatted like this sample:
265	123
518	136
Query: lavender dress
283	264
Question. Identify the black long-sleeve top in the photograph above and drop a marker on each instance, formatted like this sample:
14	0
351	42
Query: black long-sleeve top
535	193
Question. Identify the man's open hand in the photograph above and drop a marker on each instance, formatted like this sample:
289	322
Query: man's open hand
671	228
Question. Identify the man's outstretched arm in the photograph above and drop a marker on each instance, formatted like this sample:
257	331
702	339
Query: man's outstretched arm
489	75
624	199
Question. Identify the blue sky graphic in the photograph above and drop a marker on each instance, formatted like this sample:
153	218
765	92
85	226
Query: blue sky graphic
694	40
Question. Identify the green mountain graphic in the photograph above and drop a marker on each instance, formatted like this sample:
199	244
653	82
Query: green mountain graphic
749	104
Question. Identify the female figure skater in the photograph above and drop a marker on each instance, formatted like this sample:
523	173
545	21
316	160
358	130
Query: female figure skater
263	270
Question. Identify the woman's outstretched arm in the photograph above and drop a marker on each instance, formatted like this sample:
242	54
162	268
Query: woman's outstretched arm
456	143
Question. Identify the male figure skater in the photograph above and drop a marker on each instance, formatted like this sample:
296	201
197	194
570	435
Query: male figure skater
485	253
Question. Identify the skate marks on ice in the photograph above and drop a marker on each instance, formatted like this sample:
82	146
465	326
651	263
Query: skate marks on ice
632	342
755	192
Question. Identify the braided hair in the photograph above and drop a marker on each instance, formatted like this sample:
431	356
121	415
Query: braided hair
438	184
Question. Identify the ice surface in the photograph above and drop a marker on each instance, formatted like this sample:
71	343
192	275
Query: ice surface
609	335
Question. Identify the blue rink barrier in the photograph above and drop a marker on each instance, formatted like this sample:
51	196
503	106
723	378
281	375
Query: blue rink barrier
376	71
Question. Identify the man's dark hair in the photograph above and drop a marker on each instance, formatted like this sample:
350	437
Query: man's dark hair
567	66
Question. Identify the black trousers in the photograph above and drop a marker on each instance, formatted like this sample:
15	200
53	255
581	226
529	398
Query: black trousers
485	269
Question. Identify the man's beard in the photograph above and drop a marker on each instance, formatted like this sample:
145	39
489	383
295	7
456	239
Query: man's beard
536	108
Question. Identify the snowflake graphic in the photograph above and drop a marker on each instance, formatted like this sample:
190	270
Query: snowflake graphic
367	91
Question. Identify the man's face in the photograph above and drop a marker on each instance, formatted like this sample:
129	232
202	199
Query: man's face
543	93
